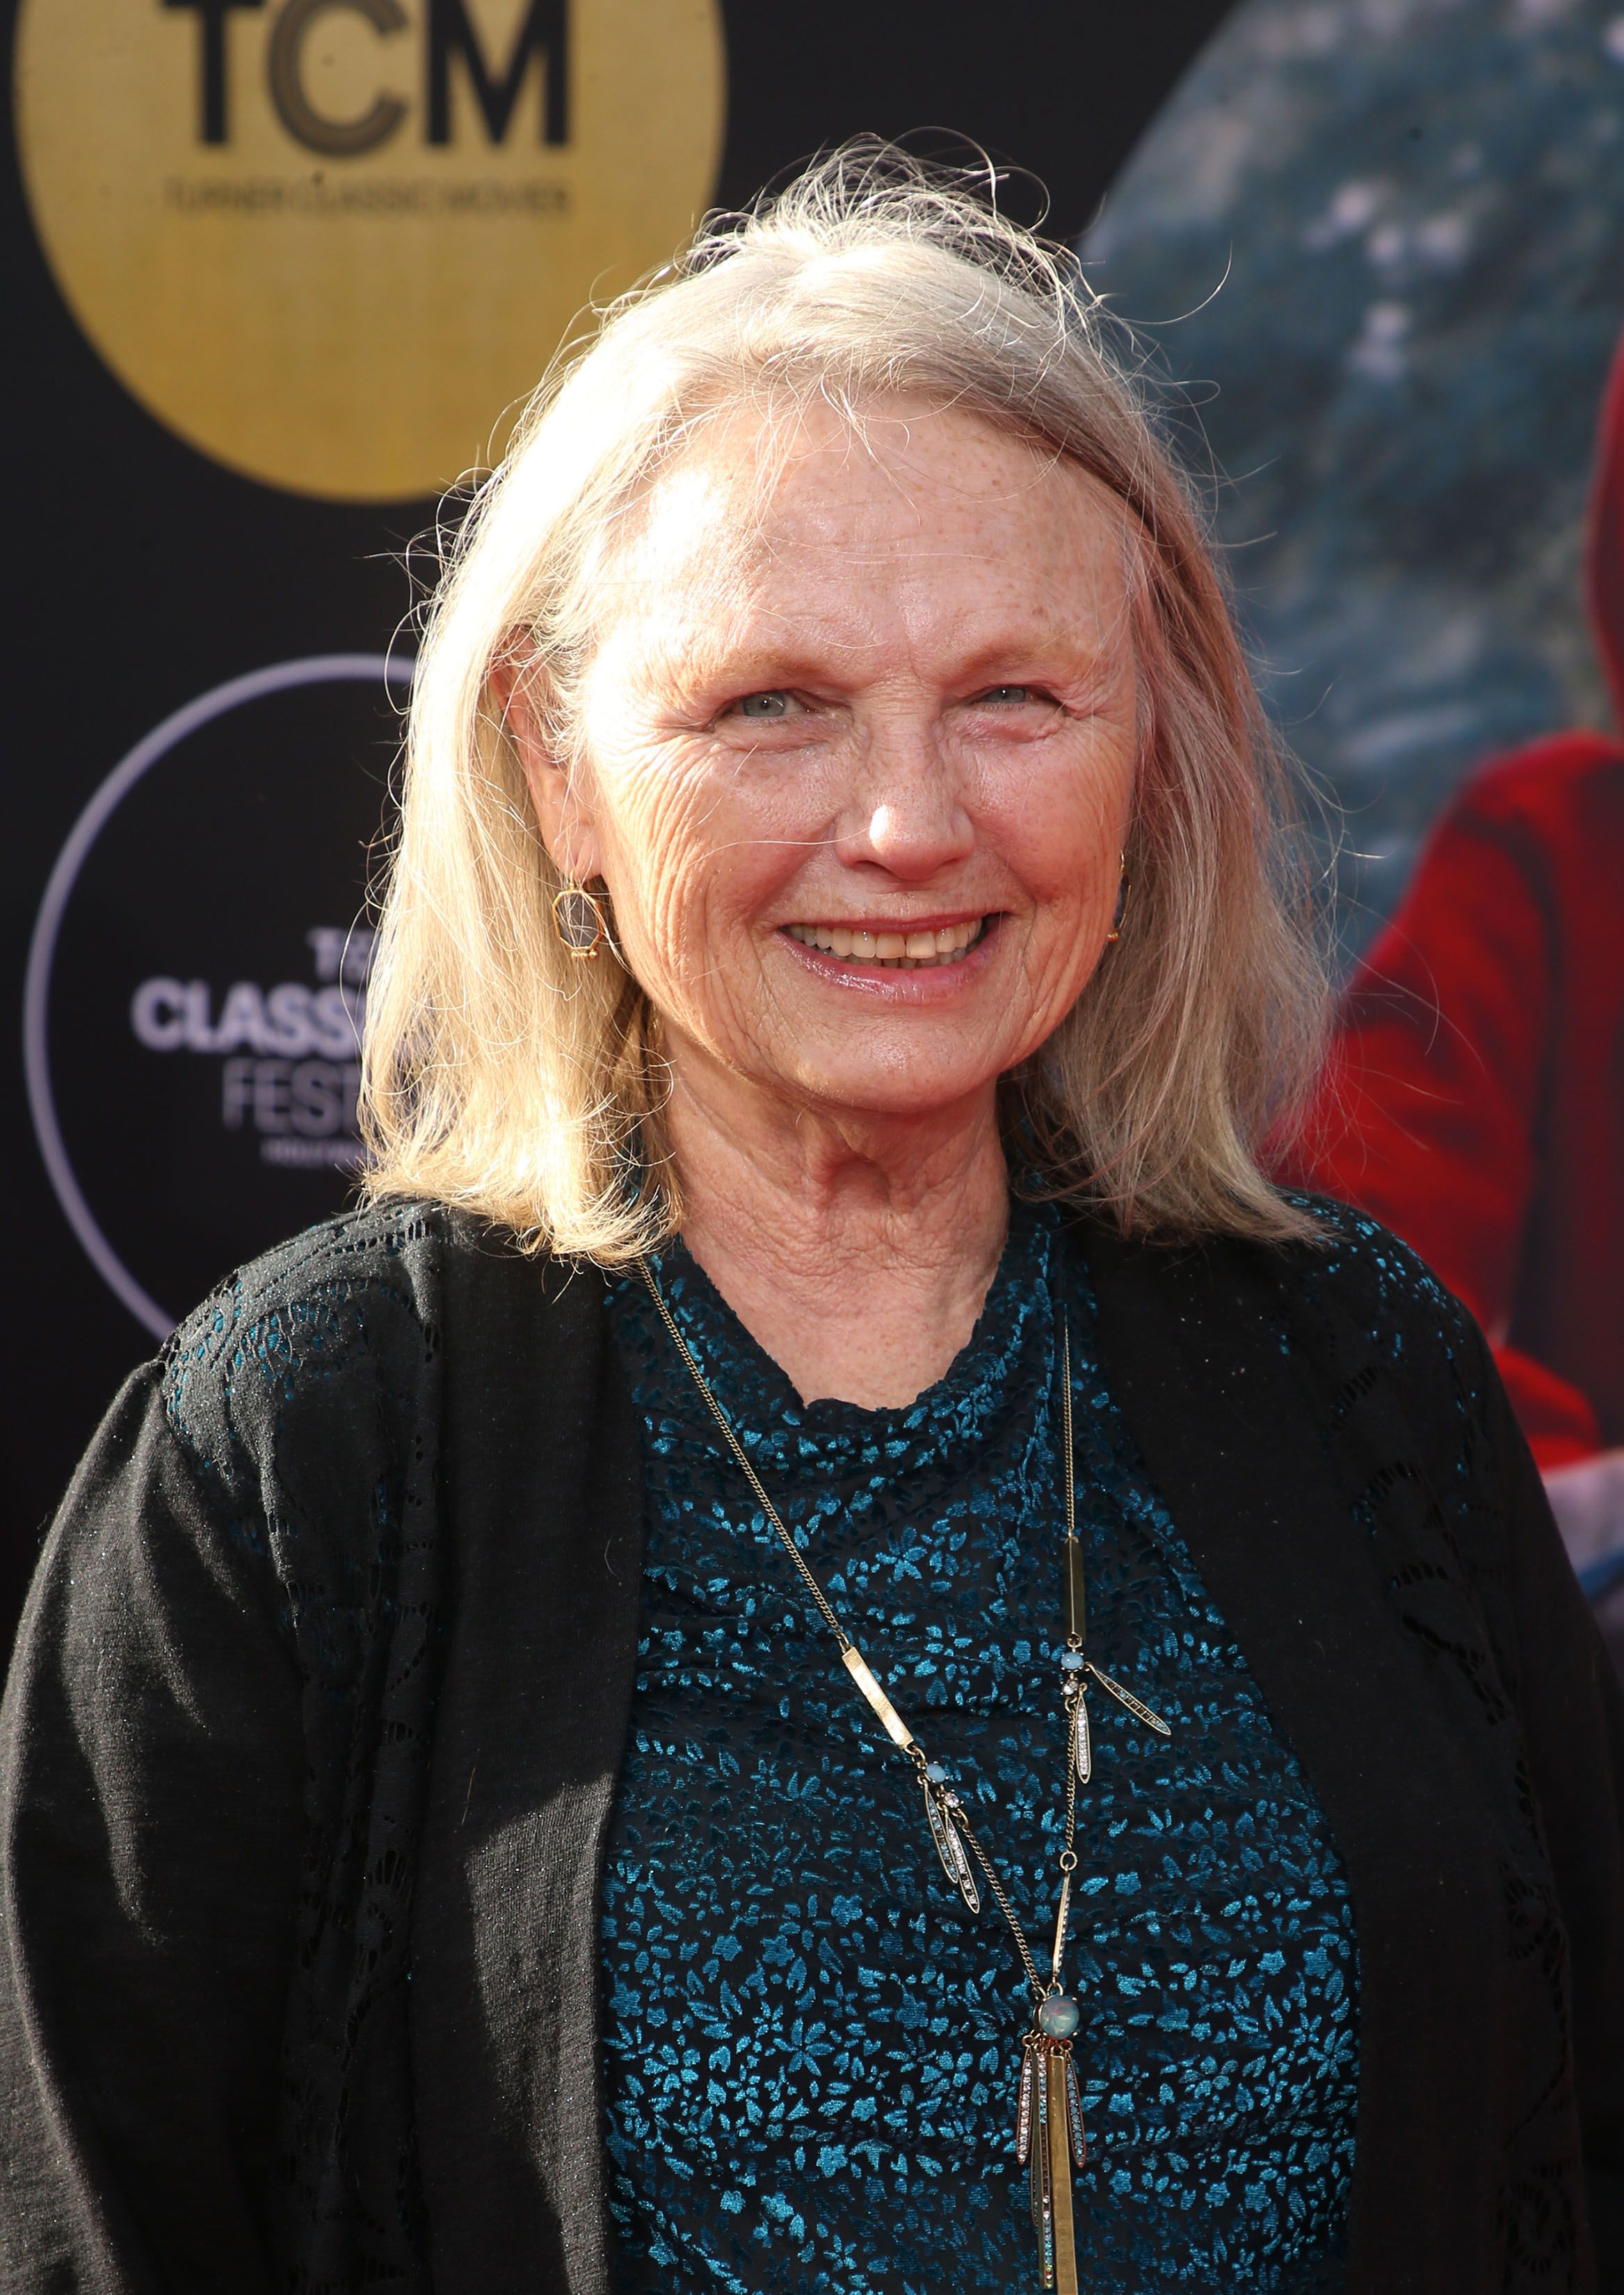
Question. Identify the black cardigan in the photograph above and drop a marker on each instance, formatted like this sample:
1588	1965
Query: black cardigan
316	1717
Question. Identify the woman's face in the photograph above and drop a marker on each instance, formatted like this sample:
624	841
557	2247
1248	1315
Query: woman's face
858	759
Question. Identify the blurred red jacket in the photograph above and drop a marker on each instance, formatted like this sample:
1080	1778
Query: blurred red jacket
1475	1097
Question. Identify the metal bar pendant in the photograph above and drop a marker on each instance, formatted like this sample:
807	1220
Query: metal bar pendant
1062	1915
950	1844
891	1720
1048	2141
1136	1706
1083	1741
1062	2242
1073	2105
1042	2210
1026	2104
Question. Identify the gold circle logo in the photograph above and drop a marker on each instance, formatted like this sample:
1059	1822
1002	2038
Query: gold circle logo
333	242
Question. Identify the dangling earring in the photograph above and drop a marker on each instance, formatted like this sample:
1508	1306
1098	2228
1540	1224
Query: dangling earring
578	920
1122	891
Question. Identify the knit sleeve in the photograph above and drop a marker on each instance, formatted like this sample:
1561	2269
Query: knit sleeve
1572	1710
151	1826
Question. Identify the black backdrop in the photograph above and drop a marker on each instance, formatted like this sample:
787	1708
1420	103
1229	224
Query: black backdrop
144	574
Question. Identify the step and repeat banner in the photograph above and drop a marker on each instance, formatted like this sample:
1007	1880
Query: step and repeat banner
326	242
279	273
283	270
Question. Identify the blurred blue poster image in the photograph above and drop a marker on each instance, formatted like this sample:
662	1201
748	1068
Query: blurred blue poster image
1373	252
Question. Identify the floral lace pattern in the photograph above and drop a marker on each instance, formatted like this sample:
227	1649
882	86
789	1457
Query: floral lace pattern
1436	1531
810	2047
361	1615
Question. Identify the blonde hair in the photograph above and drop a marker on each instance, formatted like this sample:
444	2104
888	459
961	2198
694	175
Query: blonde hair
503	1076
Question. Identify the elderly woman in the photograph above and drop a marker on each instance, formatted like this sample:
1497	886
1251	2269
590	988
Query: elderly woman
829	1649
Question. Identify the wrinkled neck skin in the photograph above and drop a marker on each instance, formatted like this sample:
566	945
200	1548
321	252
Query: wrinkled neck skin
857	1250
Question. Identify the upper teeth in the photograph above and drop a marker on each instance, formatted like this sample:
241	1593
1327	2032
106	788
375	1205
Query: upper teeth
904	948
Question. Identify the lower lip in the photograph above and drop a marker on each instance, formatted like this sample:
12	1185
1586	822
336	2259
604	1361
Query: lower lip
928	983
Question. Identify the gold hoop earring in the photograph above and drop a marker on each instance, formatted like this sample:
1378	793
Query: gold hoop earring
1122	892
579	922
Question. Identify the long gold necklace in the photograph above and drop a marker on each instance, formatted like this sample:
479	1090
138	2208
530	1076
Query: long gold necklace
1048	2131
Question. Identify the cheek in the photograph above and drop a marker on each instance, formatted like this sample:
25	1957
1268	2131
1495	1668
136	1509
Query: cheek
654	851
1067	832
683	865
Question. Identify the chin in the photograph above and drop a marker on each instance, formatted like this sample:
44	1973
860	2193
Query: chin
911	1096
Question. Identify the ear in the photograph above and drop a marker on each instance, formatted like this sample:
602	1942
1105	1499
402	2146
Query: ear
564	818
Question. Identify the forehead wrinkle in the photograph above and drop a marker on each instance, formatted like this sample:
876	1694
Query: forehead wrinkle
692	575
742	468
752	633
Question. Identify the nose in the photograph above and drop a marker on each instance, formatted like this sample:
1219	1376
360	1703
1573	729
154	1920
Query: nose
907	815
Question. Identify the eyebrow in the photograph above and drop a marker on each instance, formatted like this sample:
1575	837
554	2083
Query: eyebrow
755	663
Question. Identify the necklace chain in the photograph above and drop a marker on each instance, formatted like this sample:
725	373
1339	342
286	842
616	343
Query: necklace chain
1042	1987
1050	2137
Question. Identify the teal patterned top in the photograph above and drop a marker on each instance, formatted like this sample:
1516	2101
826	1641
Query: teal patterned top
810	2046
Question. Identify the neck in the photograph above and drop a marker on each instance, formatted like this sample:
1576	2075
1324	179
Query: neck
857	1250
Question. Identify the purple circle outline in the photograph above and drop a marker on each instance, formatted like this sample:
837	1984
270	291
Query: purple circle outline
310	669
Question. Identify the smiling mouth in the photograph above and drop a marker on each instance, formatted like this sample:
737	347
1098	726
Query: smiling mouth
895	952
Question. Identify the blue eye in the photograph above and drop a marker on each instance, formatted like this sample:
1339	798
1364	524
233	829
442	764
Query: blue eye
1009	693
764	704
